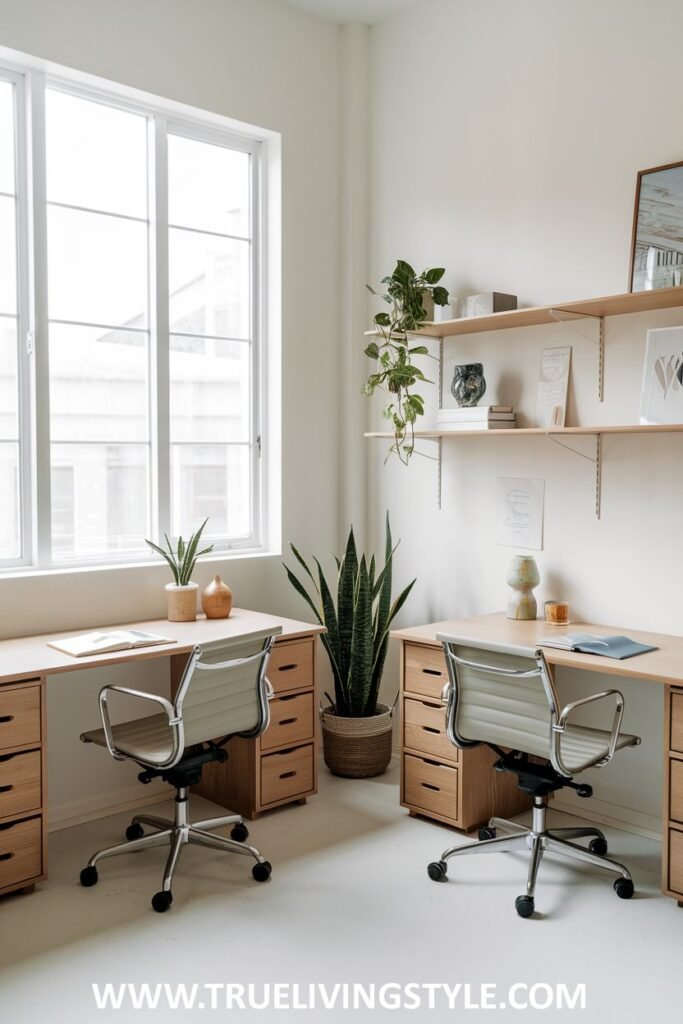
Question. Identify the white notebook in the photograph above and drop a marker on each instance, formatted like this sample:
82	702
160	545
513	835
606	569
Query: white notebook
103	643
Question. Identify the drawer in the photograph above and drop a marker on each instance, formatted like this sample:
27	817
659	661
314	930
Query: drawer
19	783
424	670
430	786
19	715
677	721
676	790
287	773
291	721
424	729
676	861
20	851
291	665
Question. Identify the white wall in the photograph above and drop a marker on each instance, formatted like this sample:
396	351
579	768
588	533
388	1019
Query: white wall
267	64
506	142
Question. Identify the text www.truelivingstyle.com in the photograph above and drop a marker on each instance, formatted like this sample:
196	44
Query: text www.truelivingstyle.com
293	996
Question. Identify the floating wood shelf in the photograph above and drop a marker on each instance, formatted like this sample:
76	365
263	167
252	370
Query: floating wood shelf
628	428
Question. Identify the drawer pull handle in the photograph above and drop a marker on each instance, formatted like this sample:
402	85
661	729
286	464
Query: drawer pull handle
288	721
427	761
287	668
432	672
428	785
428	704
429	728
288	775
6	789
6	718
290	696
6	856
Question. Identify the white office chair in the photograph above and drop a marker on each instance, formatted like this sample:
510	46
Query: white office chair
224	692
505	697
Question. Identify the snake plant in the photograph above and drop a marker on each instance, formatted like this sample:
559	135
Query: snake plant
357	622
182	561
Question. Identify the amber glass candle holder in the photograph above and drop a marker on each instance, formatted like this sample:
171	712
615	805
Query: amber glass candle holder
556	612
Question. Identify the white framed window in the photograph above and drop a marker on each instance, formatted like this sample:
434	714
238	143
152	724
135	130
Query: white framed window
131	320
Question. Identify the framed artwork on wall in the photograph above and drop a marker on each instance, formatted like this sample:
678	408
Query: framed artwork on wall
657	241
662	394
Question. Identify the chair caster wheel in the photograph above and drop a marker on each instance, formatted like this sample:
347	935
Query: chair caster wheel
524	905
624	889
239	832
161	901
598	846
134	831
486	833
89	876
437	870
262	871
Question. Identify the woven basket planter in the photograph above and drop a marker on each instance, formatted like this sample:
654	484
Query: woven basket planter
357	748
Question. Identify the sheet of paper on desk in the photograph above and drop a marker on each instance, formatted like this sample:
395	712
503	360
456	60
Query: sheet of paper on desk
519	512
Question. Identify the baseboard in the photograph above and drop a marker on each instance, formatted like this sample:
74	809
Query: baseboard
613	815
80	811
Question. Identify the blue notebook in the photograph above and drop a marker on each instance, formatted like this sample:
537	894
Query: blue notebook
608	646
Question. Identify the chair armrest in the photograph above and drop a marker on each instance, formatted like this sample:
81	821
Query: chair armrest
270	691
175	723
559	727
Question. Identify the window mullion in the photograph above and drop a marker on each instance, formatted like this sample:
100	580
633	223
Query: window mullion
38	305
159	333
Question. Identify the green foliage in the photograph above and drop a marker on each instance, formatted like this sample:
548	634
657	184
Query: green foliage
357	625
396	371
183	560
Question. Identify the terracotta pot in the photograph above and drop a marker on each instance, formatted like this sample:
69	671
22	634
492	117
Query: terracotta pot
357	748
217	599
182	602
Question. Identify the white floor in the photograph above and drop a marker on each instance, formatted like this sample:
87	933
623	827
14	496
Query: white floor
349	902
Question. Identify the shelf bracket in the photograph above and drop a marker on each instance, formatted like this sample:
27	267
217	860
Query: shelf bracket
595	459
569	318
438	459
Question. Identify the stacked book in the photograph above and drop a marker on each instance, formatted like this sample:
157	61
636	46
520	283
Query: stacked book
477	417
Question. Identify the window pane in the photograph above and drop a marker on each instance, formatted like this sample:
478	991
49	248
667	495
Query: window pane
97	268
9	427
215	481
6	137
209	284
208	186
209	398
100	499
98	384
96	155
8	257
10	544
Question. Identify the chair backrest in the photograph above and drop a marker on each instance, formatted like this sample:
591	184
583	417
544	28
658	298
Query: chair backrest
499	694
223	691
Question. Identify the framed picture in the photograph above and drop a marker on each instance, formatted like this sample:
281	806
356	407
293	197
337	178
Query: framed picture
662	394
657	243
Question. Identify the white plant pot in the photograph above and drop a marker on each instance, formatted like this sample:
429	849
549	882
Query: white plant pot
182	602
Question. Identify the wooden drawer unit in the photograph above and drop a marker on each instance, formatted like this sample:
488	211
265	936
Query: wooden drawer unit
20	783
431	786
291	665
286	774
20	721
424	670
674	884
291	721
676	719
21	845
424	729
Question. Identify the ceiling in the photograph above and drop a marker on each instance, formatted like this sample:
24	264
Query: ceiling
367	11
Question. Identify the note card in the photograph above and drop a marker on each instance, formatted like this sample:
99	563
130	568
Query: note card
519	512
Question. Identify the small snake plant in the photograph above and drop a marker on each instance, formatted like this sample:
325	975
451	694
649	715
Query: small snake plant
183	560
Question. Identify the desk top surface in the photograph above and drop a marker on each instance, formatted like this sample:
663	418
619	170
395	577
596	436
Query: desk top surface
664	665
28	656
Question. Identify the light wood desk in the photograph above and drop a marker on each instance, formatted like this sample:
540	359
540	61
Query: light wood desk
277	768
663	666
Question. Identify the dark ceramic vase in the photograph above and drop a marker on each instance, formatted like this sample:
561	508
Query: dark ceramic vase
468	383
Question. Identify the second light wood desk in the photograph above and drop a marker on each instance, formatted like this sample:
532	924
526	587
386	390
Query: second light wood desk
277	768
663	668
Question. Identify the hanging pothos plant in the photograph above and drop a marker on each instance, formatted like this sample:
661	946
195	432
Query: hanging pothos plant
405	293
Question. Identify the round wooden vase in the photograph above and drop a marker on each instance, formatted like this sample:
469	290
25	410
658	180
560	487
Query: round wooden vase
217	599
182	602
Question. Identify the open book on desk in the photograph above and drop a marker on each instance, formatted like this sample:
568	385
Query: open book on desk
586	643
104	643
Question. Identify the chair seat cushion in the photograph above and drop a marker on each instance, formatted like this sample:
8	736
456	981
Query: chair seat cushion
579	744
147	739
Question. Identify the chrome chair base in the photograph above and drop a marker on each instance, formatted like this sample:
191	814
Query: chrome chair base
538	840
177	833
